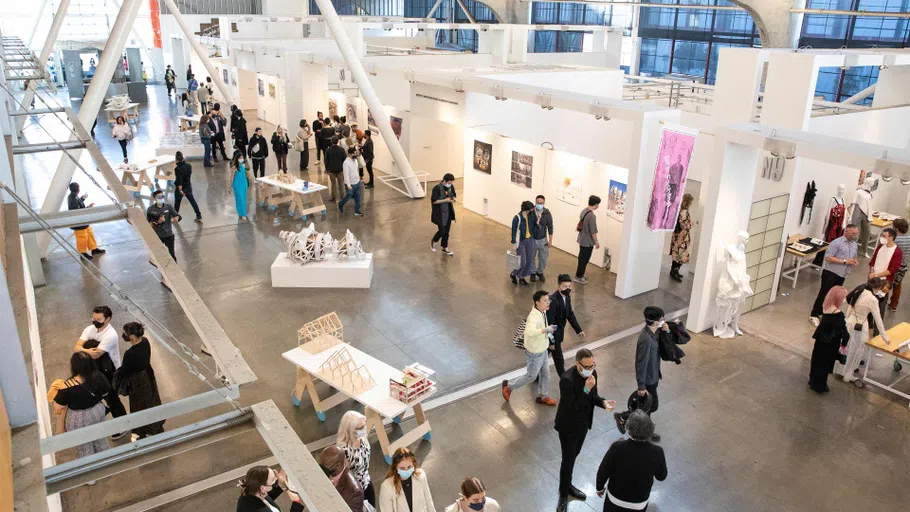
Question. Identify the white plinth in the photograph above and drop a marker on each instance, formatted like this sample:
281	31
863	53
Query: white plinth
322	274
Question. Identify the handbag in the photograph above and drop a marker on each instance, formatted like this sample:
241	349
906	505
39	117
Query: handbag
513	261
519	338
581	222
120	385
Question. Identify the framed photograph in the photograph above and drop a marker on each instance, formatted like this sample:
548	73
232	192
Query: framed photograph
669	179
271	90
570	188
397	124
371	122
224	75
333	109
261	87
616	200
350	112
522	166
483	157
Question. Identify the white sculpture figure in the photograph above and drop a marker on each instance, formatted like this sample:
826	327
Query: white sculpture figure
732	289
308	245
348	248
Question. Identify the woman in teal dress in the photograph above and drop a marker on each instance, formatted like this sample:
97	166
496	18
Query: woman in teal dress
239	184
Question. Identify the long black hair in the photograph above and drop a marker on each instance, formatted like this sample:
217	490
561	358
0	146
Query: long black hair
873	284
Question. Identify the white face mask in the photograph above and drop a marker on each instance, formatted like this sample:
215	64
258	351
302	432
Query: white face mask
880	295
360	432
883	241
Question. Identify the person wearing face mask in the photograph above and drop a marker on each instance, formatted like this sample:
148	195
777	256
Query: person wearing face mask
442	200
886	260
840	259
136	378
239	184
261	486
542	221
474	497
538	336
162	216
578	397
108	344
862	302
332	462
523	243
352	438
405	488
647	358
559	313
903	242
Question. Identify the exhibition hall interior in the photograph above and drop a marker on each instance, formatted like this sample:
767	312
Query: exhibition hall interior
453	255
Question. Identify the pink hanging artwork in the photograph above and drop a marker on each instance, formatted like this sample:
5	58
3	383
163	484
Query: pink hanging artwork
670	179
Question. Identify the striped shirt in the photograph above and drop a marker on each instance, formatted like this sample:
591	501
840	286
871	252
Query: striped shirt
903	241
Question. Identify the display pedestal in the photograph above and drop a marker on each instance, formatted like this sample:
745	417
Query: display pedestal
322	274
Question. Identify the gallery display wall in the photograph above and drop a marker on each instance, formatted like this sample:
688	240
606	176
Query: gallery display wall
271	100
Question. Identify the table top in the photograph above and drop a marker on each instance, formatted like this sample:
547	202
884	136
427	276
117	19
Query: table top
798	237
297	186
377	397
194	119
145	165
880	222
120	109
897	334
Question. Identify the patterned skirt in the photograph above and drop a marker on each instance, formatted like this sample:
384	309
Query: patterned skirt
78	418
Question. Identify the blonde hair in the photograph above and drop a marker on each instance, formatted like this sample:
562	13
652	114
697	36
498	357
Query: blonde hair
346	435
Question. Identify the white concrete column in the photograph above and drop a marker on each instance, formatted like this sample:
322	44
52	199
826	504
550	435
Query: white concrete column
200	51
498	45
739	72
293	91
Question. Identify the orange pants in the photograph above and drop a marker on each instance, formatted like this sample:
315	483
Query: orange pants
85	240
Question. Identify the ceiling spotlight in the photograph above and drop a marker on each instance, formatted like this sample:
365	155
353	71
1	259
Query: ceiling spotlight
498	93
889	168
545	101
779	147
409	75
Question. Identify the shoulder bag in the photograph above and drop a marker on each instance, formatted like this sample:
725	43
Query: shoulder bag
581	223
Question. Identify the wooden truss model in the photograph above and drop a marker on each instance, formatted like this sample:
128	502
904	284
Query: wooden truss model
341	369
348	248
321	334
308	245
284	178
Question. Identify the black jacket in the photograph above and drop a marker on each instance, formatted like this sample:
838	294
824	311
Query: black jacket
542	228
280	144
647	358
559	313
575	412
668	341
334	158
254	504
258	148
326	135
239	129
75	202
440	192
182	174
366	150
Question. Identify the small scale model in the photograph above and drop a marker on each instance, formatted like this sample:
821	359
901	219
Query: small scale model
348	248
118	102
283	178
321	334
413	384
341	369
308	245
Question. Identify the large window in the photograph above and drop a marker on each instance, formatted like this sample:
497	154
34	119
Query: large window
836	31
836	84
560	13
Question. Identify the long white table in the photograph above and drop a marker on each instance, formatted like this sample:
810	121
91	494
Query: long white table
129	112
134	179
302	202
377	400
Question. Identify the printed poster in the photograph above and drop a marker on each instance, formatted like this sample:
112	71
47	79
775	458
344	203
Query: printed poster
616	200
261	87
670	179
224	75
570	188
333	109
271	90
483	157
350	112
397	124
371	122
522	166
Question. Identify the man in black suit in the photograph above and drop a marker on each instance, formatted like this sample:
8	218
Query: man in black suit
574	417
561	311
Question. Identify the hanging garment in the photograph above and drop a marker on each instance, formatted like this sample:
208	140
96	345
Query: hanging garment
808	200
835	227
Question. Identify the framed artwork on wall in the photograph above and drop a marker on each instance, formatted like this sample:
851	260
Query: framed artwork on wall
350	112
483	157
371	122
570	187
224	75
261	87
333	109
522	167
616	200
669	179
271	90
397	125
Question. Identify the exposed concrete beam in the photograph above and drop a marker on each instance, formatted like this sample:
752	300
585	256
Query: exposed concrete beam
25	149
73	218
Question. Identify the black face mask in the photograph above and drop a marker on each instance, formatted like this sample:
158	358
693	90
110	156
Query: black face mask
97	324
567	291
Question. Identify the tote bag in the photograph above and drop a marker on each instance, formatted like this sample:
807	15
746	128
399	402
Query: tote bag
519	338
513	261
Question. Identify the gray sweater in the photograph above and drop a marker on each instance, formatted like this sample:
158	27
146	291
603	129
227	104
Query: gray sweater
647	359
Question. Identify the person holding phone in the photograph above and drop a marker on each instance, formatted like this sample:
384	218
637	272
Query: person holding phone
538	336
261	487
85	237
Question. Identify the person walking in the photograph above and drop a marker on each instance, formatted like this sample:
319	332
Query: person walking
204	96
542	220
830	335
647	358
136	378
353	184
124	134
85	237
333	464
302	144
188	104
241	138
259	151
239	184
205	135
183	173
522	243
317	137
587	238
77	401
170	80
366	151
840	259
578	397
263	485
903	242
192	90
442	199
559	313
630	466
474	498
352	438
861	303
679	244
281	145
189	73
406	488
162	217
537	339
216	124
334	166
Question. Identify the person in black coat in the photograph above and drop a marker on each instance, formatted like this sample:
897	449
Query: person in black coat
630	466
85	237
559	313
259	151
241	138
366	151
261	487
334	165
327	134
317	135
183	173
578	397
442	200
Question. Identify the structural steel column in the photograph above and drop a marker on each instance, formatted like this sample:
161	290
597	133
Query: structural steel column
200	52
42	58
31	38
369	95
91	104
156	70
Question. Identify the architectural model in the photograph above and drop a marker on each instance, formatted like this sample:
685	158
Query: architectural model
348	248
308	245
283	177
118	102
341	369
321	334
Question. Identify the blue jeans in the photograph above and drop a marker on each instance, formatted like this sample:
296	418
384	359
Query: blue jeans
207	159
538	365
352	191
543	253
526	251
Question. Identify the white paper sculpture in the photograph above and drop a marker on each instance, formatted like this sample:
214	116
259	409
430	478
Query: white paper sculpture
118	102
308	245
348	248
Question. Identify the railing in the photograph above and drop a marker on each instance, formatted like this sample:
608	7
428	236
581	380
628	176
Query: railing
689	96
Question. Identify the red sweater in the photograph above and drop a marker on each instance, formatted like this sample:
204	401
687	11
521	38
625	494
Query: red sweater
893	266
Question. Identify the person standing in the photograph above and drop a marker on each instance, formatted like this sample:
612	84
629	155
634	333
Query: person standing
192	90
578	397
77	401
263	485
302	144
587	238
189	73
442	199
542	221
647	358
85	237
406	488
239	184
162	216
189	106
170	80
903	242
204	95
334	166
259	151
830	335
352	438
840	258
474	498
281	146
183	173
317	137
887	259
630	466
216	123
333	464
537	339
679	244
124	134
102	332
366	151
352	183
523	243
861	303
136	378
559	313
205	135
241	138
328	137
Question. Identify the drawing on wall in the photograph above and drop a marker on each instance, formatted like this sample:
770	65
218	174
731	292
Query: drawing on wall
224	74
371	122
234	79
350	112
669	179
261	87
862	177
522	166
271	90
570	188
616	200
483	157
397	124
333	109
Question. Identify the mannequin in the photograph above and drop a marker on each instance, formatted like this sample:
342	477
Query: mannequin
834	228
732	289
860	213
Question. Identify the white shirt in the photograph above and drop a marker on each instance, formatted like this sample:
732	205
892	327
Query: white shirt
885	254
108	341
351	174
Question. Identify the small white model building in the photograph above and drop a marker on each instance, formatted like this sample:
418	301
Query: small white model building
308	245
348	248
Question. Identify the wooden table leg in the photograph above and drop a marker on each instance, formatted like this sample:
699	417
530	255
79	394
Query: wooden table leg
374	422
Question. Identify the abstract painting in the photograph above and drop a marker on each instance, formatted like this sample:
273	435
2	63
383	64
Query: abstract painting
522	166
483	157
669	179
570	188
616	200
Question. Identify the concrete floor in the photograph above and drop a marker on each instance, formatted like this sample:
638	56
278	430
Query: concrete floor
740	429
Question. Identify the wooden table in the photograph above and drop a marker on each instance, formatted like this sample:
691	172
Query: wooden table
130	111
880	224
803	259
377	401
187	121
302	201
899	336
134	179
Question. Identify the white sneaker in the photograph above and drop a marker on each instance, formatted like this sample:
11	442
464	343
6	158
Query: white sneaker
433	246
448	252
814	321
